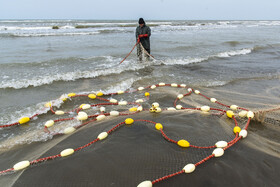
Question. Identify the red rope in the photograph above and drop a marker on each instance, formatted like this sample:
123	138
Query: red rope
144	120
199	147
13	124
85	123
175	102
248	122
166	137
204	96
7	170
34	116
204	160
168	176
65	119
222	104
82	147
115	127
129	52
45	159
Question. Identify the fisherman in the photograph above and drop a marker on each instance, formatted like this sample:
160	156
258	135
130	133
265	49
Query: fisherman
143	33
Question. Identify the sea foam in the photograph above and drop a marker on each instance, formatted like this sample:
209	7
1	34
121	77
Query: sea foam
68	76
226	54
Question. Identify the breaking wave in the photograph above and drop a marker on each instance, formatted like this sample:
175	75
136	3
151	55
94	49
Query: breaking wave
184	61
113	69
68	76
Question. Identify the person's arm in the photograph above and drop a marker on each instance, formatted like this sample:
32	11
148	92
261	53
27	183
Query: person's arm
146	35
143	36
137	35
149	32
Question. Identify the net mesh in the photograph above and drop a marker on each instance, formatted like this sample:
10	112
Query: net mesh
138	152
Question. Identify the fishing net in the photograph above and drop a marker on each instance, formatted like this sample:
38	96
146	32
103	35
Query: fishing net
154	135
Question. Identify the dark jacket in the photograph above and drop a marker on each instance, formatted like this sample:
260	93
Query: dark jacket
145	40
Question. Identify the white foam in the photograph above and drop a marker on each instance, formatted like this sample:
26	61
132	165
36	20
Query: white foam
55	34
234	53
24	138
24	28
216	83
225	54
34	28
182	61
123	85
28	111
69	76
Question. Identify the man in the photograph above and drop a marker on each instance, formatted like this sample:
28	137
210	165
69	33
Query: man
143	33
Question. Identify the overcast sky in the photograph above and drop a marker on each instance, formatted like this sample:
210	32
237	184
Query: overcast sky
148	9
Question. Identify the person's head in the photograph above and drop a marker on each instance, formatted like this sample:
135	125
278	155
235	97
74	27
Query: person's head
141	22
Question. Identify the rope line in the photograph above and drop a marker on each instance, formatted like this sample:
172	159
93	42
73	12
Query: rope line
129	52
142	48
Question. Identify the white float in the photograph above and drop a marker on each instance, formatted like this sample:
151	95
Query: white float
180	96
213	100
102	135
114	113
21	165
67	152
205	108
243	133
189	168
100	117
69	130
49	123
123	103
145	184
59	112
218	152
221	144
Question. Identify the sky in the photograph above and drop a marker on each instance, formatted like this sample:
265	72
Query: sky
148	9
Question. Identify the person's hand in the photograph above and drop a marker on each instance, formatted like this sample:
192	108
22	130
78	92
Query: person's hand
138	40
143	35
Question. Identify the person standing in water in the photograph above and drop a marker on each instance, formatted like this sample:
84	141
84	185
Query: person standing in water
143	33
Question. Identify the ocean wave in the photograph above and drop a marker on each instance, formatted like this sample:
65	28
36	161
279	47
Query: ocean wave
75	25
182	61
57	61
69	76
119	24
48	34
233	53
39	108
14	28
12	140
35	27
185	61
110	68
123	85
216	83
27	135
64	33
